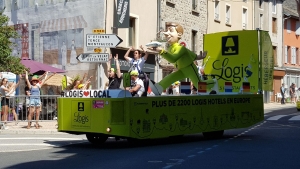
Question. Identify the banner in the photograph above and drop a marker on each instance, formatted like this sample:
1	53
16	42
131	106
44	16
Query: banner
267	61
233	57
122	14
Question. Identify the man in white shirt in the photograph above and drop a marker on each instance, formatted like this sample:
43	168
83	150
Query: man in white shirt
137	61
137	88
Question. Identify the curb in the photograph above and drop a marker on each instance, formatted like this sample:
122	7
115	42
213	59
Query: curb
33	131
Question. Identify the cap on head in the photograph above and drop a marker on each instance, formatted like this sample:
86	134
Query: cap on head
177	83
134	73
35	77
80	86
113	69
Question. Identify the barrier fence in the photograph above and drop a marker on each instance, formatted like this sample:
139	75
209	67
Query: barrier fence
21	104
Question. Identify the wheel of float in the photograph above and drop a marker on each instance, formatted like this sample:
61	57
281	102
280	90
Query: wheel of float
298	109
213	134
96	139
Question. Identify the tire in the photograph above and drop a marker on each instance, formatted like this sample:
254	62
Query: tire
96	139
213	134
298	109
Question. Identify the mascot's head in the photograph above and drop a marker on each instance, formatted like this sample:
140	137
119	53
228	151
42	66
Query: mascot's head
174	32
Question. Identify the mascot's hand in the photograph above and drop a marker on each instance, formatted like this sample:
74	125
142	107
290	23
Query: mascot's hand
202	55
156	49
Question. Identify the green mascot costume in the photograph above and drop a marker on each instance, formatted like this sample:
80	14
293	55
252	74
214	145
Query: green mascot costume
180	56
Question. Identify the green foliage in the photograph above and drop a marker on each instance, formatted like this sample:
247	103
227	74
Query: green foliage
8	63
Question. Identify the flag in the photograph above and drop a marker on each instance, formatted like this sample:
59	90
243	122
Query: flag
228	87
246	87
185	87
202	87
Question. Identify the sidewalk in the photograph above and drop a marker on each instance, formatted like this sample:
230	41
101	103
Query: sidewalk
274	105
50	127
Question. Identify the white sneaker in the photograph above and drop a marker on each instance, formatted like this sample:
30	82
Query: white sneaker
5	128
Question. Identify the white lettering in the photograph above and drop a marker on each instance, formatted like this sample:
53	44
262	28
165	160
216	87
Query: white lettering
124	12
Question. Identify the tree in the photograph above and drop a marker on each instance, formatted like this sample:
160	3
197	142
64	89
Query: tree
8	63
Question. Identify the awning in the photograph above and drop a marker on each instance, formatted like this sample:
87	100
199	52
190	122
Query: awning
63	24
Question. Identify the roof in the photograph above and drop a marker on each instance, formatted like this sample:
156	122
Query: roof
290	8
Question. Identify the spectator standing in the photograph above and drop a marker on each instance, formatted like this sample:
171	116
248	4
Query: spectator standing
4	99
282	91
35	99
12	100
292	92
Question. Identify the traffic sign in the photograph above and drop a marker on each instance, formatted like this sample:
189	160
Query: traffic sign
93	57
102	40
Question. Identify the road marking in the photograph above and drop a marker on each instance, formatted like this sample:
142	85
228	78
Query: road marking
295	118
200	152
276	117
191	156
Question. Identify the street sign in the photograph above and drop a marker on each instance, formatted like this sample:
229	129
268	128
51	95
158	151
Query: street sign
102	40
93	57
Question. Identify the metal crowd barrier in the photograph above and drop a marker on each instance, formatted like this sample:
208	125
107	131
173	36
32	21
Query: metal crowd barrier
20	104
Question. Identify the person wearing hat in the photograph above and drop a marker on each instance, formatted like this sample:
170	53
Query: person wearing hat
114	75
35	99
137	85
176	88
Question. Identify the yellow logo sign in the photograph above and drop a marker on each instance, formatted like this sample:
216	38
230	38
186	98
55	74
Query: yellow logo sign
98	50
98	31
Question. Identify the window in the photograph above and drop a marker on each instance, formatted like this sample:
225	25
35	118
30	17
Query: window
285	54
194	40
227	19
261	21
274	25
217	16
131	38
194	4
288	26
288	54
297	56
260	4
274	6
293	55
298	28
244	18
275	55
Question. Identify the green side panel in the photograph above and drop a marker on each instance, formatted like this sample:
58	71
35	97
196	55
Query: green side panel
157	117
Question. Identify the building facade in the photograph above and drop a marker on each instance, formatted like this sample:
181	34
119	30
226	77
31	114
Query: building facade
229	16
54	32
268	17
291	45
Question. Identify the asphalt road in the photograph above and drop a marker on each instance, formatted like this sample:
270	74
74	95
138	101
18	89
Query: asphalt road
274	143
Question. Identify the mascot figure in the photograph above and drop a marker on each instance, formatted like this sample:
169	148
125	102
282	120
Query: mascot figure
182	58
